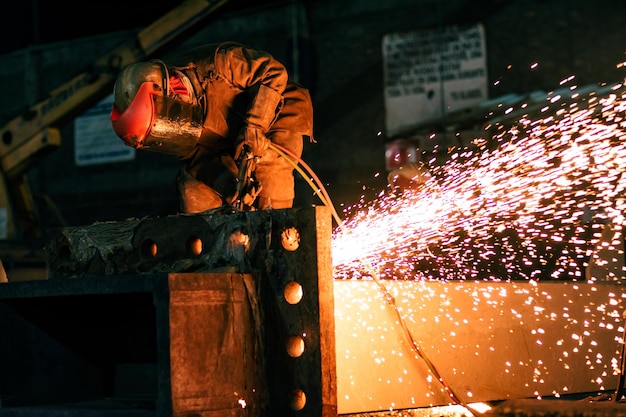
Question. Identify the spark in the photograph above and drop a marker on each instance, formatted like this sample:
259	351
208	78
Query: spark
528	203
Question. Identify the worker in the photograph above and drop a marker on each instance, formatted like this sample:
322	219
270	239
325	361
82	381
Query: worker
219	108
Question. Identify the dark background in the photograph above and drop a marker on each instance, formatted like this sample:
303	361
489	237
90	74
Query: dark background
340	61
36	22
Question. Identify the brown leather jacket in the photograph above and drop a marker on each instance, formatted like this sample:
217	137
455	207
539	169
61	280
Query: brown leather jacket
235	85
225	78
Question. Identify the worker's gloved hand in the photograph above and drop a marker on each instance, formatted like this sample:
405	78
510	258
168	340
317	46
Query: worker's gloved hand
252	138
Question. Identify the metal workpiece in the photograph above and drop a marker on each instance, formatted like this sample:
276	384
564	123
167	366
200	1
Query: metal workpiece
221	313
212	241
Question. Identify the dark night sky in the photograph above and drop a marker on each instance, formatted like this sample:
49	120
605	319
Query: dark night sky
36	22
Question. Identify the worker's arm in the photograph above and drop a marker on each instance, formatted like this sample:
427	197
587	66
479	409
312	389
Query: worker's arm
248	69
265	80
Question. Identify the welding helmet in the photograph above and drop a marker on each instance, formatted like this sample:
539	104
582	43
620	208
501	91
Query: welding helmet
149	114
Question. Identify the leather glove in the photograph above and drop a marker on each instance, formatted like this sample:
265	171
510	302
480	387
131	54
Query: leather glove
253	139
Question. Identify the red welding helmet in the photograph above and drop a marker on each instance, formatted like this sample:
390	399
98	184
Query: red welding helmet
146	118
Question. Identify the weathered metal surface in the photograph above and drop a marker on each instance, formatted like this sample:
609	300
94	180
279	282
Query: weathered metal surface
81	345
212	241
285	308
215	340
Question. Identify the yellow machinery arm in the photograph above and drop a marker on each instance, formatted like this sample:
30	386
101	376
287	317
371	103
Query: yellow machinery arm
25	139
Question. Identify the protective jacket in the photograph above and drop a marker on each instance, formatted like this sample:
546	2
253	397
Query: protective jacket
241	89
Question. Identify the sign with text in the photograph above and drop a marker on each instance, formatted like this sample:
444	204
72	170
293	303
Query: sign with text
428	74
95	142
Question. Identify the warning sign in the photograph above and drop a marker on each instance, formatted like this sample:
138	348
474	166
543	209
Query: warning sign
431	73
95	142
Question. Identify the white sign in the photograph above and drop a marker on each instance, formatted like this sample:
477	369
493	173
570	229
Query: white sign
428	74
95	142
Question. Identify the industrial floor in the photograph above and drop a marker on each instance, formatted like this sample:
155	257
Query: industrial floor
586	407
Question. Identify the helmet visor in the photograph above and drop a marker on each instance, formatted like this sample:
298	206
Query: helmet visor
176	127
159	123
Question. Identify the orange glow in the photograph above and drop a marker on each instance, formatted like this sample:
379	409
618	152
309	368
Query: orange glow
293	292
